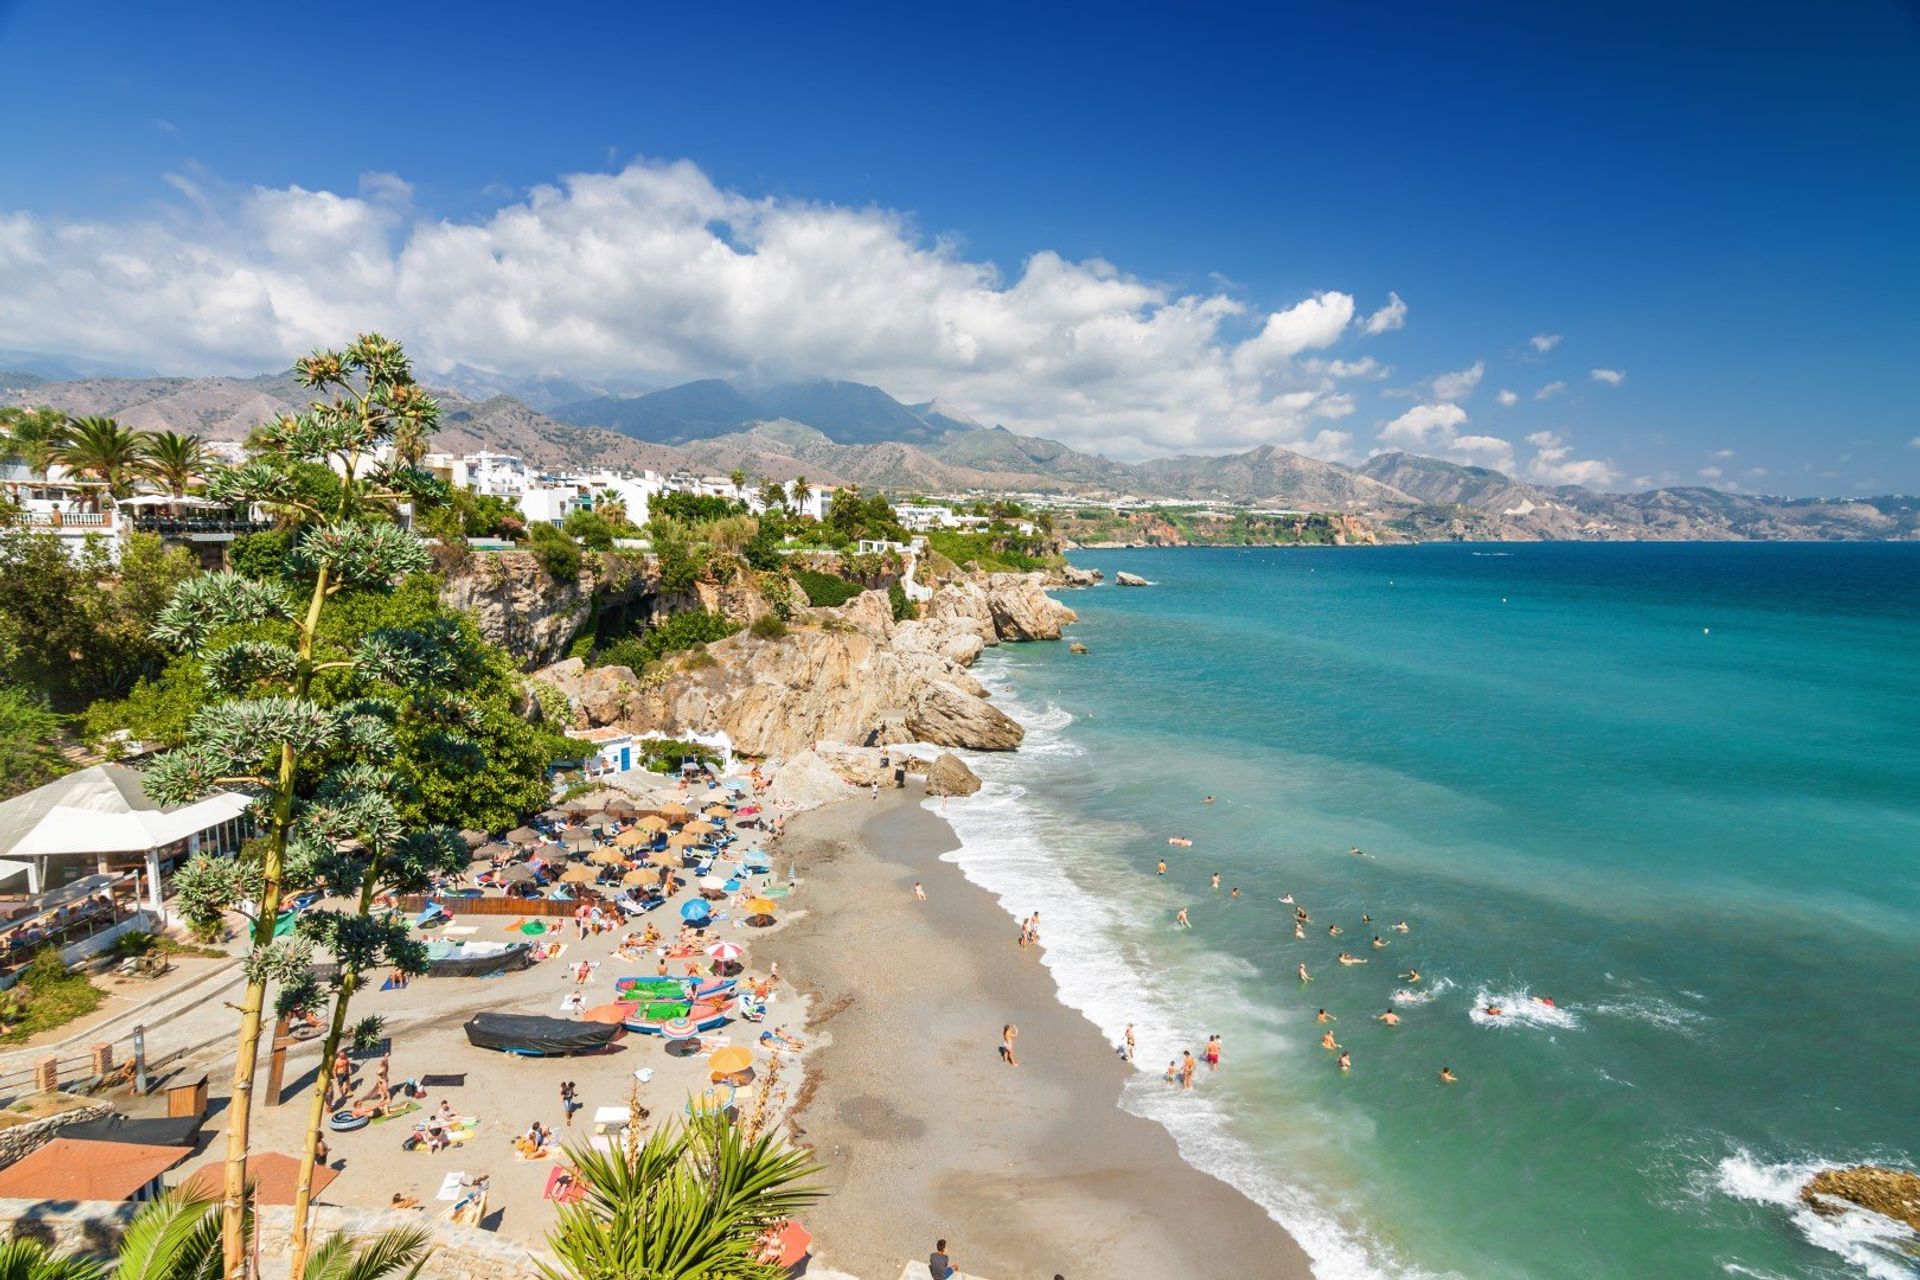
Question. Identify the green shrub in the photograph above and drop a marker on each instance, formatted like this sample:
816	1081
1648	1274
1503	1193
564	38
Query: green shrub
681	631
589	530
769	627
663	755
904	610
48	996
691	509
824	590
558	554
260	555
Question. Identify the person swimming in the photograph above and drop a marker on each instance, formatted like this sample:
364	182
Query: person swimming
1401	927
1379	943
1349	958
1346	1060
1328	1042
1162	868
1216	882
1287	898
1493	1011
1391	1018
1324	1016
1545	1000
1304	975
1182	841
1234	892
1180	919
1365	919
1411	975
1334	931
1299	932
1447	1076
1208	800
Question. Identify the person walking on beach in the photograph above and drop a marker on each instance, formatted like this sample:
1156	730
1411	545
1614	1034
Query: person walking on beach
1009	1034
1127	1040
569	1103
919	892
939	1265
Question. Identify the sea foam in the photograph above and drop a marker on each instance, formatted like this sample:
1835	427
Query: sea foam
1016	850
1878	1246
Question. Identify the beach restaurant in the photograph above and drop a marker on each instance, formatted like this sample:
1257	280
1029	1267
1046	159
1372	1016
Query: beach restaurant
100	821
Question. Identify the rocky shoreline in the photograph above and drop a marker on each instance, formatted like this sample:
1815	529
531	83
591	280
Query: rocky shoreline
845	675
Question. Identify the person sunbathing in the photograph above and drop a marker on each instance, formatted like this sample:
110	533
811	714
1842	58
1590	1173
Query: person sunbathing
533	1144
776	1038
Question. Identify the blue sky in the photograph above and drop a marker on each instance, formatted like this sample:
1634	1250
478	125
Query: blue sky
1717	201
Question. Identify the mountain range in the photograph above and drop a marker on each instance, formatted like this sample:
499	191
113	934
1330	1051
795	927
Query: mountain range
836	432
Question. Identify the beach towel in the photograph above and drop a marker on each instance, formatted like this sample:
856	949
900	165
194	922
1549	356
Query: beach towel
533	928
461	930
452	1080
398	1109
563	1186
450	1185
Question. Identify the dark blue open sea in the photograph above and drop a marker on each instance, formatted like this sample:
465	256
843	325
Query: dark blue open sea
1673	788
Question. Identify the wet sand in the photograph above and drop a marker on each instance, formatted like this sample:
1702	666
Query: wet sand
1026	1171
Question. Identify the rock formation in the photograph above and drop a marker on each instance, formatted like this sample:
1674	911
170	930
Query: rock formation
844	675
1076	647
1892	1193
949	776
1070	576
1130	580
522	608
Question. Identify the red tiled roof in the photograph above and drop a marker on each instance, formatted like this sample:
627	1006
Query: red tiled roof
80	1169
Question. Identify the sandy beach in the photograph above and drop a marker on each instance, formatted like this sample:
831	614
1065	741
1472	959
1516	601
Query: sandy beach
1026	1171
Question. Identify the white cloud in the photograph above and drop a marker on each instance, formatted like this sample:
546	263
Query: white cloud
1458	386
1435	429
1722	454
1544	341
1549	391
1364	367
1914	443
1710	473
1612	377
1391	316
1553	463
1507	398
655	271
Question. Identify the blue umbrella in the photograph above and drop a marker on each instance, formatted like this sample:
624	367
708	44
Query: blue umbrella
695	910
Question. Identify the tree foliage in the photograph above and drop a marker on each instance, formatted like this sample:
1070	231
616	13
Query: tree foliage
557	553
689	1203
29	751
680	631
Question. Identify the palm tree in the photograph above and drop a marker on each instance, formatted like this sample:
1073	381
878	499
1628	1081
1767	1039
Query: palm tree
801	491
176	460
689	1203
33	436
178	1238
105	450
739	479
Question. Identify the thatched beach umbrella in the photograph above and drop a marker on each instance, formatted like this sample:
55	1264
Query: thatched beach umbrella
579	875
607	855
699	827
682	841
523	835
599	819
494	851
638	876
474	839
629	838
577	840
717	811
620	804
554	815
652	822
664	858
518	873
674	813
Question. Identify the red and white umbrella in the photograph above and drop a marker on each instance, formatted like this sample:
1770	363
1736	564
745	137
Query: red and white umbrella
724	951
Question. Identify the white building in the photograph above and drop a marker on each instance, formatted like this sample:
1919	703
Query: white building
920	519
604	750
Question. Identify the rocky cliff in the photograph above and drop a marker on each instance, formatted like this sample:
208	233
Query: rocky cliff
850	674
522	608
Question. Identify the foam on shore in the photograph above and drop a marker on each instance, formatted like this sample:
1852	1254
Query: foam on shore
1023	855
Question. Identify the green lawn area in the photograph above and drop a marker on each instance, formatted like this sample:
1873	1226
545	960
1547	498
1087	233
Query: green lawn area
47	996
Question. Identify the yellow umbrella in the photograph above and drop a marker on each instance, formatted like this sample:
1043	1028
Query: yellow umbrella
579	875
761	906
630	838
699	827
731	1060
682	841
606	856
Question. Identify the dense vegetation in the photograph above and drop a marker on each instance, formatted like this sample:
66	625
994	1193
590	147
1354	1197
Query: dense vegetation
679	632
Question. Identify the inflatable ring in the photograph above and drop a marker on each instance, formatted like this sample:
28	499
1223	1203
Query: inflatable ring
347	1122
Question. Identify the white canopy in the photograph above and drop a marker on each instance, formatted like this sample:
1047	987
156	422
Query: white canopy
104	809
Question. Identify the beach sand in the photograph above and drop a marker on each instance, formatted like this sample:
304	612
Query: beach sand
1026	1171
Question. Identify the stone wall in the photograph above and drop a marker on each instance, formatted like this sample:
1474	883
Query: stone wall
25	1139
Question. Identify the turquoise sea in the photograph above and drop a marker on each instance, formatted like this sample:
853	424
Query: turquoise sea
1673	788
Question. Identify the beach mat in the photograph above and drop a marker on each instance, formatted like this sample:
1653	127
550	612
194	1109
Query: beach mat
451	1080
450	1185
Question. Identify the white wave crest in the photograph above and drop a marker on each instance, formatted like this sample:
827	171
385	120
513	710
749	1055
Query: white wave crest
1519	1009
1878	1246
1422	994
1655	1011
